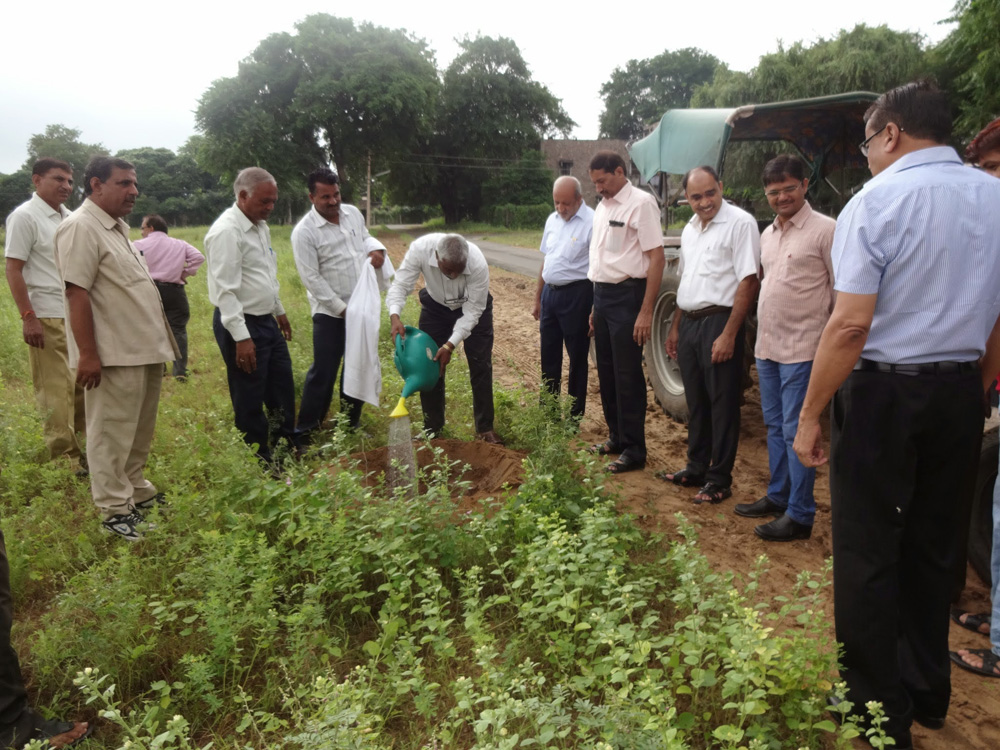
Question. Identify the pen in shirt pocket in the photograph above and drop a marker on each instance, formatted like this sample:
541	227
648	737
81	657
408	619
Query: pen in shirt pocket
614	223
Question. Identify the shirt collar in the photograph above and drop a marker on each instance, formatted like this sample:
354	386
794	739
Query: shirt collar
919	158
799	219
104	217
622	195
319	221
41	205
242	221
721	217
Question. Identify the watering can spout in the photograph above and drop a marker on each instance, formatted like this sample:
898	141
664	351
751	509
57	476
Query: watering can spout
400	410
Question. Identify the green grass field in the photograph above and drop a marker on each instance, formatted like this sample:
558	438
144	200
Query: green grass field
322	610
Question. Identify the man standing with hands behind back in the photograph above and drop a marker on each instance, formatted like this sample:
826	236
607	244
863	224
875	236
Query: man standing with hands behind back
565	296
626	266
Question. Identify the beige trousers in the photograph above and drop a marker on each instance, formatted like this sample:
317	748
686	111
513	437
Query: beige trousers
59	398
121	417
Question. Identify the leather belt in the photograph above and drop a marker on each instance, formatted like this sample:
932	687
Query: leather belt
706	311
168	283
922	368
569	284
624	282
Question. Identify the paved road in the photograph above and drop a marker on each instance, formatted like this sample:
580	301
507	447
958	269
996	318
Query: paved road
517	259
510	258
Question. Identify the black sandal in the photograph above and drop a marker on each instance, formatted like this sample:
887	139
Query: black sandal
683	478
972	621
989	661
604	449
713	493
623	464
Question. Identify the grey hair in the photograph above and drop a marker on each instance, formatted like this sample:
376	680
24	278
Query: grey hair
569	178
453	249
250	178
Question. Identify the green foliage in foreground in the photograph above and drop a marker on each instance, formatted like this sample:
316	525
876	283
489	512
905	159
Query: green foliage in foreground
323	610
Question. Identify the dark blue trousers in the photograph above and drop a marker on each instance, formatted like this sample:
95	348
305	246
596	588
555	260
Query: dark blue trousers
329	337
619	364
565	320
271	385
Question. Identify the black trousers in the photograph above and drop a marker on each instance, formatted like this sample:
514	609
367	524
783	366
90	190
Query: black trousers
13	697
619	364
175	305
712	392
271	385
329	336
438	322
565	320
904	452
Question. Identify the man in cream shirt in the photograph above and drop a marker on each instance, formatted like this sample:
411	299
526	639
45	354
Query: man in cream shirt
37	290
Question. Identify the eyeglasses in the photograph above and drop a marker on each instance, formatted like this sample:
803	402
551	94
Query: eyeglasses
863	146
782	191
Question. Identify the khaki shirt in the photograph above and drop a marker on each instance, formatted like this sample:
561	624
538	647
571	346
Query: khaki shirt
93	252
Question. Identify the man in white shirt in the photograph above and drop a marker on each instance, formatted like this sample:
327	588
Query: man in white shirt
250	324
565	296
331	244
720	255
455	306
38	293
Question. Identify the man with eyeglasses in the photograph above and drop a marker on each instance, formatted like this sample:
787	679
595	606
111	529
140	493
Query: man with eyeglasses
455	306
720	253
796	297
171	262
916	258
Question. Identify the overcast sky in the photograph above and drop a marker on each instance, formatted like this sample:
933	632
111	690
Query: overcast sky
131	74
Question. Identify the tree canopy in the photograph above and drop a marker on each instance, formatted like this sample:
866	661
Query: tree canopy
490	112
330	93
638	94
864	58
969	65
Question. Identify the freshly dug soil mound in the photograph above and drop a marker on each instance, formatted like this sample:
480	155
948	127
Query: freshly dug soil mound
487	469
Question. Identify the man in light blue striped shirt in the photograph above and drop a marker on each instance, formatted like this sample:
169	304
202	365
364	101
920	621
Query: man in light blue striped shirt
917	267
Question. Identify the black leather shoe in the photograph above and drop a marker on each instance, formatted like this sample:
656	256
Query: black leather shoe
760	509
930	722
783	529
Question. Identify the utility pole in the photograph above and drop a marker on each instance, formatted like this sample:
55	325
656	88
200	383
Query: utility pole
368	198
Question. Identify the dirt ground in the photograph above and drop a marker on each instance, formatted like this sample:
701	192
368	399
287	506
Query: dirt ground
727	539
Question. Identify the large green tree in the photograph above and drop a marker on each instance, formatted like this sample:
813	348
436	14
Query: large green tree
174	186
863	59
491	112
61	142
968	65
638	94
331	92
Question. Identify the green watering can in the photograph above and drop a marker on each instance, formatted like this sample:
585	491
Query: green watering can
414	361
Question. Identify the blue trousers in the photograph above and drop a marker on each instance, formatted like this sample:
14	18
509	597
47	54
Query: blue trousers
565	319
271	385
782	391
